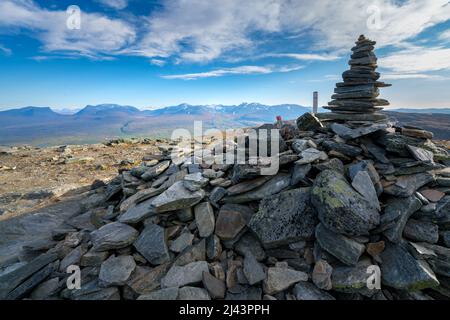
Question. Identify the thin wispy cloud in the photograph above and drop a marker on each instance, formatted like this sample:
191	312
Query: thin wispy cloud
5	51
305	56
241	70
417	60
115	4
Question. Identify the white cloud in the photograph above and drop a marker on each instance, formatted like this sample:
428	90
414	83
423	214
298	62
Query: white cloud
99	35
445	35
201	31
417	60
403	76
233	71
5	51
158	62
305	56
115	4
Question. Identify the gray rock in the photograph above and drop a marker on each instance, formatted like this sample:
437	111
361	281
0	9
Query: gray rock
299	145
115	271
345	149
353	279
114	235
139	197
193	293
363	184
420	154
145	280
138	213
12	279
155	170
308	121
231	220
347	133
179	276
93	258
310	155
217	194
46	289
299	173
247	185
215	287
163	294
398	211
92	291
244	293
284	218
195	181
29	284
402	271
253	271
213	247
421	231
182	242
343	248
332	164
249	244
73	258
177	197
204	218
445	237
321	275
193	253
279	279
152	244
308	291
406	185
340	208
278	183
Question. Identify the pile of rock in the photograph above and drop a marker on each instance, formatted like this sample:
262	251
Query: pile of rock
343	200
356	98
346	202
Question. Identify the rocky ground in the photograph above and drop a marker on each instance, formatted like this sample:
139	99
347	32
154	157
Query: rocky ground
344	200
32	177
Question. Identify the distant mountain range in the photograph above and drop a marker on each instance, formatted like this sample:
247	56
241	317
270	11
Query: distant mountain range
42	126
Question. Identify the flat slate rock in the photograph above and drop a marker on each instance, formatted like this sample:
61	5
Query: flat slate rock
402	271
179	276
406	185
353	279
204	218
231	220
275	185
177	197
115	271
398	211
421	231
139	212
362	183
152	244
215	287
284	218
253	270
193	293
114	235
308	291
345	149
343	248
341	209
279	279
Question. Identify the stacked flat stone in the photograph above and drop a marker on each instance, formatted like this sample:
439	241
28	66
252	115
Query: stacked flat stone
356	98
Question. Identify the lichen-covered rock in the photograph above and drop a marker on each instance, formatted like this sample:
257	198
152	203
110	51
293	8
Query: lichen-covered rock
284	218
340	208
402	271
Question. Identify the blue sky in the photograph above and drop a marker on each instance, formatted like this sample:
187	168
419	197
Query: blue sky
154	53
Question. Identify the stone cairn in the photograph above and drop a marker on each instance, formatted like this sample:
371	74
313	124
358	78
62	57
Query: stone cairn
344	202
356	98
